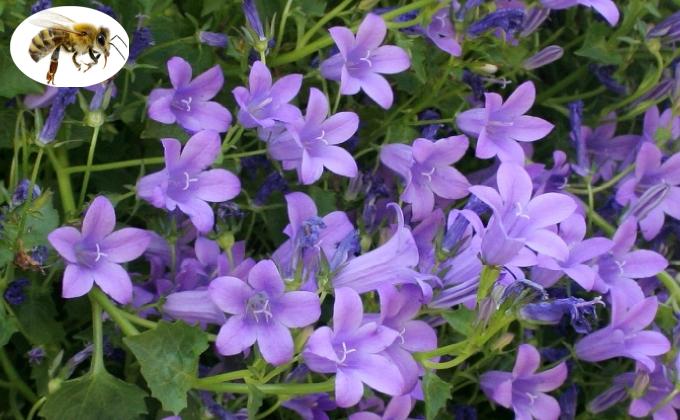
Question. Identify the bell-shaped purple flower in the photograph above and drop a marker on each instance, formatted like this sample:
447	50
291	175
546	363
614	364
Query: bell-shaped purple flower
523	390
442	33
353	350
606	8
94	254
362	60
309	144
263	103
625	335
426	169
660	385
188	102
185	184
500	125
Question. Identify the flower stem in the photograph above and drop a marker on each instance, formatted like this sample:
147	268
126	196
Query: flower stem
97	364
115	313
605	186
223	377
15	379
271	389
64	181
88	167
321	22
116	165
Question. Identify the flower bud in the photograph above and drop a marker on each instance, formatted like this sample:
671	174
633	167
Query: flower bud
546	56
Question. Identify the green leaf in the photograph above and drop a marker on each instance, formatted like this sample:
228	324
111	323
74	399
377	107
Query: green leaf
596	46
461	320
98	396
255	397
8	326
14	82
168	356
37	317
436	393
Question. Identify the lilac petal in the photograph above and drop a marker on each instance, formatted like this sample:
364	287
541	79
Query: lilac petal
489	196
301	207
409	369
344	39
235	336
637	317
397	157
179	71
671	170
259	79
331	68
373	338
377	372
348	311
648	159
338	160
200	213
549	209
297	309
497	248
398	407
275	343
545	407
652	224
472	121
514	184
486	147
497	386
372	31
625	236
647	343
550	379
150	188
206	85
77	281
114	281
287	113
340	127
284	148
200	151
527	128
349	85
389	59
230	294
172	150
348	388
449	150
378	89
643	263
528	361
582	274
99	220
264	276
311	169
125	245
319	353
64	241
217	185
338	227
422	150
287	87
205	116
421	199
548	243
509	151
447	182
589	249
521	100
671	204
193	306
418	336
159	107
317	107
608	9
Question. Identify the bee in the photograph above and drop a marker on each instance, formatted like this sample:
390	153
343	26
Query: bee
77	38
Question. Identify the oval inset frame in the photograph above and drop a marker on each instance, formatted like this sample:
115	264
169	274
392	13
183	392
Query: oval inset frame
67	75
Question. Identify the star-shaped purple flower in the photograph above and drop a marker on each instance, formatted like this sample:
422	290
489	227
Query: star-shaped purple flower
94	255
353	351
263	103
188	102
309	144
262	311
607	8
361	60
500	125
426	169
185	184
523	389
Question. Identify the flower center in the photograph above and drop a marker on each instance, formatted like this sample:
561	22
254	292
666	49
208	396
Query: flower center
519	212
428	174
401	335
257	106
88	255
321	137
345	352
260	307
187	181
183	104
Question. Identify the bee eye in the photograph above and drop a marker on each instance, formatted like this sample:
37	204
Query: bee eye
100	39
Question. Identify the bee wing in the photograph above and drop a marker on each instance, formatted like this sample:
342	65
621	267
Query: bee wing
51	20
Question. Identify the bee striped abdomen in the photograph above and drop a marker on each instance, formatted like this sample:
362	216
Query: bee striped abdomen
43	43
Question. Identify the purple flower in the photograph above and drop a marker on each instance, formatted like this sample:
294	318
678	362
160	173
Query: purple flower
544	57
21	193
40	5
397	409
41	100
193	306
498	126
606	151
185	184
36	355
653	191
188	102
95	254
262	311
312	406
15	293
309	144
263	104
426	169
442	33
213	39
658	126
523	389
660	384
520	222
253	18
142	38
625	335
581	312
353	351
509	20
361	60
607	8
63	98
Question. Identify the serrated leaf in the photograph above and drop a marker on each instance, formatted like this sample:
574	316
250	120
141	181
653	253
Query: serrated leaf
461	320
168	356
14	82
437	392
99	396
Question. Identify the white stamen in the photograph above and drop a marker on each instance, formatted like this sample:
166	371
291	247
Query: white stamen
345	352
321	137
401	335
99	253
520	211
366	59
265	310
428	174
620	265
187	103
188	181
532	397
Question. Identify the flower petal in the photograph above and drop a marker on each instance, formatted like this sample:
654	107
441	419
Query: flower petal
348	311
200	151
206	85
344	39
378	89
286	88
217	185
230	294
77	281
297	309
275	342
125	245
99	220
521	100
527	362
235	336
159	108
114	281
264	276
259	79
371	32
340	127
389	59
205	116
397	157
179	71
200	213
64	241
348	388
379	373
337	160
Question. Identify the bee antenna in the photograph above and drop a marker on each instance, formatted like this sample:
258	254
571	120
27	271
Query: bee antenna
121	54
121	40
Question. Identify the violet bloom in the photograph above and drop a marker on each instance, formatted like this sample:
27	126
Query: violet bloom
41	100
309	144
213	39
523	390
607	8
188	102
521	223
660	385
312	406
426	169
657	126
607	151
499	126
64	97
544	57
653	190
262	311
353	351
185	183
397	409
94	254
263	104
361	60
625	335
442	33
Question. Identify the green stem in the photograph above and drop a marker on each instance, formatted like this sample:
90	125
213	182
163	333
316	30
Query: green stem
671	284
487	279
116	165
15	379
601	223
36	407
64	181
223	377
246	154
97	365
271	389
282	25
321	22
605	186
116	314
88	167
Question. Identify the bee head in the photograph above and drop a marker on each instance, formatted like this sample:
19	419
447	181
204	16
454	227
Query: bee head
102	40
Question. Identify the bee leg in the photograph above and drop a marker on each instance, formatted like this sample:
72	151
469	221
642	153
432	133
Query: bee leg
54	62
94	57
77	64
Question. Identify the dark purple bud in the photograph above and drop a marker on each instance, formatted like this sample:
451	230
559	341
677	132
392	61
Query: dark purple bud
604	75
36	355
567	402
39	254
15	294
21	192
534	18
309	232
668	28
581	312
476	84
40	5
649	200
273	182
253	18
101	90
578	140
229	210
455	232
106	9
350	245
142	38
213	39
64	98
430	131
251	164
546	56
662	89
509	20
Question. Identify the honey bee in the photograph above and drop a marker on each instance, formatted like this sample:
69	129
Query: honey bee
77	38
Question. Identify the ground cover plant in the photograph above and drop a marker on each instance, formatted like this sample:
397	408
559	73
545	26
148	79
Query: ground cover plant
355	208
